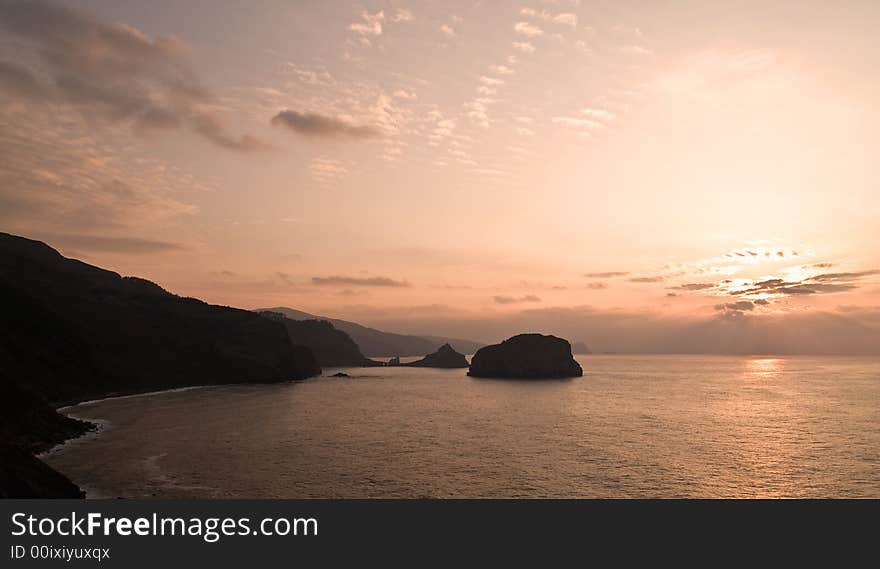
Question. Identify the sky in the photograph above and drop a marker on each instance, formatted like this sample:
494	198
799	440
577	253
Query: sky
641	176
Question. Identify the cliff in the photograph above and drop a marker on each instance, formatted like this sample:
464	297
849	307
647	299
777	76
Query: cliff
445	357
72	331
332	347
526	356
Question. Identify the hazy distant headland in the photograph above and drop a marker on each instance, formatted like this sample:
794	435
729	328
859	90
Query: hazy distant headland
379	344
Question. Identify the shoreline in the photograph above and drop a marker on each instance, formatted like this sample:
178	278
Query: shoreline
132	395
93	428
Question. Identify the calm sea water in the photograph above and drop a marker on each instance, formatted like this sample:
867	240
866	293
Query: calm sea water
633	426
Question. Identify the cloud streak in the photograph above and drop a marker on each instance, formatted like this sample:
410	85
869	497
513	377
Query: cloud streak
606	275
315	125
504	299
359	281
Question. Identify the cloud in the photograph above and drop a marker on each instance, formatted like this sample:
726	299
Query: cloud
501	69
524	47
739	306
833	277
598	114
491	81
317	125
403	15
128	245
358	281
405	95
527	29
635	50
565	18
19	81
809	288
327	169
502	299
211	128
606	275
647	279
579	123
447	30
59	174
825	283
112	72
694	286
371	24
597	286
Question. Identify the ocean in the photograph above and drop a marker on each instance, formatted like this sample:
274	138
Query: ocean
632	427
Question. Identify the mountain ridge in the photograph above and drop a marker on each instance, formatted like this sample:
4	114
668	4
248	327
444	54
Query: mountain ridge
376	343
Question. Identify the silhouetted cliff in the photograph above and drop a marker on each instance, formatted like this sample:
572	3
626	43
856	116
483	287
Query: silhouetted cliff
71	331
445	357
526	356
332	347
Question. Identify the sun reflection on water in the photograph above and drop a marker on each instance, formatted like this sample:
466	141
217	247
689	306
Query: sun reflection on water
763	368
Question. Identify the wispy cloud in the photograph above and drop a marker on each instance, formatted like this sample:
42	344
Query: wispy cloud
739	306
606	275
111	72
694	286
326	170
503	299
403	15
317	125
359	281
370	24
524	47
565	18
527	29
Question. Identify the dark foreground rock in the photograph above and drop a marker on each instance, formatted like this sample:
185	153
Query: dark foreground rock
29	425
445	357
526	356
24	476
70	331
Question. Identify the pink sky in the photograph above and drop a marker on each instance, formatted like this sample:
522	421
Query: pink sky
466	168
